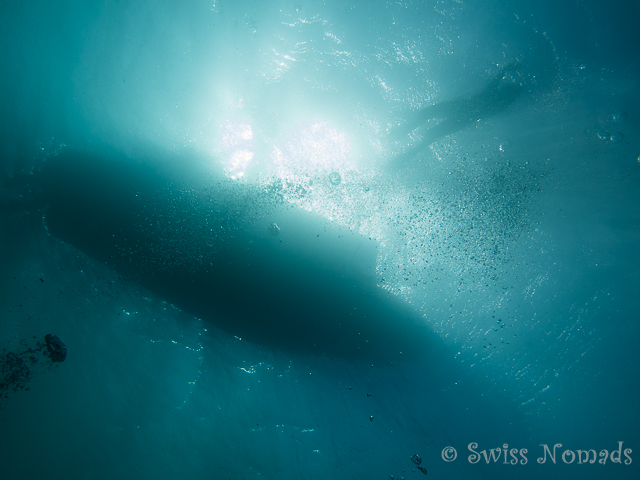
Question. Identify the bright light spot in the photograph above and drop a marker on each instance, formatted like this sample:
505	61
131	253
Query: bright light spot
316	149
240	160
237	143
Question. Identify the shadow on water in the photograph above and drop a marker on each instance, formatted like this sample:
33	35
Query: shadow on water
439	120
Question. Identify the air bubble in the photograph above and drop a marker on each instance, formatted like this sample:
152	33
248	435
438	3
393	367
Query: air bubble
617	137
273	229
619	117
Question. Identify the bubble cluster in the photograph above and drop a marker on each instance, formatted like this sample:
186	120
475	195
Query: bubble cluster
17	369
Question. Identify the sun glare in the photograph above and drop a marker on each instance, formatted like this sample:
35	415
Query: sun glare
237	143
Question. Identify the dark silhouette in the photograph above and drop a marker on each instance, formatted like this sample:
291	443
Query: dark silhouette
215	250
456	114
18	368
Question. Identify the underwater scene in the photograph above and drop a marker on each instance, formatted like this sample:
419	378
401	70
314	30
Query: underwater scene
320	239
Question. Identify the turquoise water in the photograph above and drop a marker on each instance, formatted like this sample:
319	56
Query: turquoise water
312	240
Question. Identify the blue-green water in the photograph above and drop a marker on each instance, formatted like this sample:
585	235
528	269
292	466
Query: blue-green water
311	240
